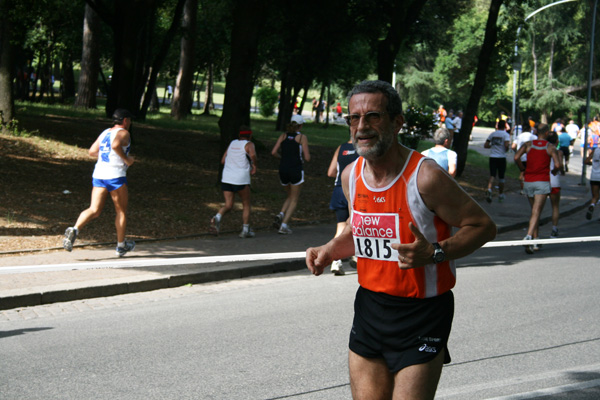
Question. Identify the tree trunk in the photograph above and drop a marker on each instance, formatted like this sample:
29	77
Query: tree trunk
154	106
535	61
304	96
183	96
165	92
49	75
7	107
129	22
328	105
90	60
208	93
152	75
130	17
286	105
487	50
404	15
248	18
319	113
68	77
550	74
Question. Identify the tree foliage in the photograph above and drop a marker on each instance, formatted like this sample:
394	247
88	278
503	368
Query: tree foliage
434	46
555	51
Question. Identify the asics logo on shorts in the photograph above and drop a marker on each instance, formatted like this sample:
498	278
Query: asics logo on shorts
428	349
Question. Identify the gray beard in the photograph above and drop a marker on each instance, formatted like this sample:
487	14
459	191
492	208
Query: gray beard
380	148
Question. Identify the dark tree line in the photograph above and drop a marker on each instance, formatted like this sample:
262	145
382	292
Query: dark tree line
301	45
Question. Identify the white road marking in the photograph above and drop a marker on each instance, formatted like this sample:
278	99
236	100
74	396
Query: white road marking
543	241
240	257
551	391
462	391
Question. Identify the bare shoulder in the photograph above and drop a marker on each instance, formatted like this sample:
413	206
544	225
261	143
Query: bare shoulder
431	175
122	136
437	188
303	139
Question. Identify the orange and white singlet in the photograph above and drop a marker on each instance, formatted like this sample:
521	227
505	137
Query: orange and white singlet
379	218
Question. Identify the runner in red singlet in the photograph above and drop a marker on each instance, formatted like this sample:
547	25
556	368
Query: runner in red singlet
536	177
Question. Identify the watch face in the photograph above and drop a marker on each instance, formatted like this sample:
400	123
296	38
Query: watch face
439	256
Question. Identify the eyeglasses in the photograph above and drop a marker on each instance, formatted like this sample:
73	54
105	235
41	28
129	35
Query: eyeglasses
372	118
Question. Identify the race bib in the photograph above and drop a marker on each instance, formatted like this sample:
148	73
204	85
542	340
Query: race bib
374	235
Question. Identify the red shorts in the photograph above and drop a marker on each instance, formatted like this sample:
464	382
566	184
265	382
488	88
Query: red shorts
555	190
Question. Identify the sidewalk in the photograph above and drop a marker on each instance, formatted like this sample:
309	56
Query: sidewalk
21	289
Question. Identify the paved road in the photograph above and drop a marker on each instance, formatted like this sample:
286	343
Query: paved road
23	287
525	326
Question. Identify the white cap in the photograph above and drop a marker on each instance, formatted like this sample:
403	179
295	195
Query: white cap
297	118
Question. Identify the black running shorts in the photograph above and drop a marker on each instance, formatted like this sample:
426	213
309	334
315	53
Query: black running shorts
402	331
339	204
497	167
291	176
228	187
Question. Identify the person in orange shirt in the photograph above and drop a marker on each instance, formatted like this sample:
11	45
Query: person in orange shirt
531	123
441	112
402	208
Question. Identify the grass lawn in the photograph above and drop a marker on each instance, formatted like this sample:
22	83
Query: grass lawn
173	184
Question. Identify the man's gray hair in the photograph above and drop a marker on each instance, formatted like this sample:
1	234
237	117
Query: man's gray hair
441	135
394	106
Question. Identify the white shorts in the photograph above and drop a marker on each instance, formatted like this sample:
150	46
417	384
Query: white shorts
532	188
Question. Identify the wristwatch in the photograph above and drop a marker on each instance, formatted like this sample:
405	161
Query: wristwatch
438	254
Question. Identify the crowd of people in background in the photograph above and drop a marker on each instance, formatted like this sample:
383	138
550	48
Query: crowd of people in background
542	153
401	218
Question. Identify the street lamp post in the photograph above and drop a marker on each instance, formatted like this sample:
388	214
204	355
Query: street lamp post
516	74
589	94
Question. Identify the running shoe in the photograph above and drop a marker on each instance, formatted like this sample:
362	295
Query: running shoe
215	226
554	233
336	268
247	234
590	211
352	261
528	248
284	230
70	236
129	246
488	196
278	219
501	198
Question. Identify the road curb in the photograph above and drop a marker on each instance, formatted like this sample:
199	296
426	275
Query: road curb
230	272
199	274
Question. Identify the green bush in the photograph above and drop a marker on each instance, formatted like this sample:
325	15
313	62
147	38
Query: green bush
267	97
12	128
418	122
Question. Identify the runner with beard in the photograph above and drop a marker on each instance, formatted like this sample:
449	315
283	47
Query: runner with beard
402	210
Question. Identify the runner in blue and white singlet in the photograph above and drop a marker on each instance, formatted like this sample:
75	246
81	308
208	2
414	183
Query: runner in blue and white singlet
112	151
